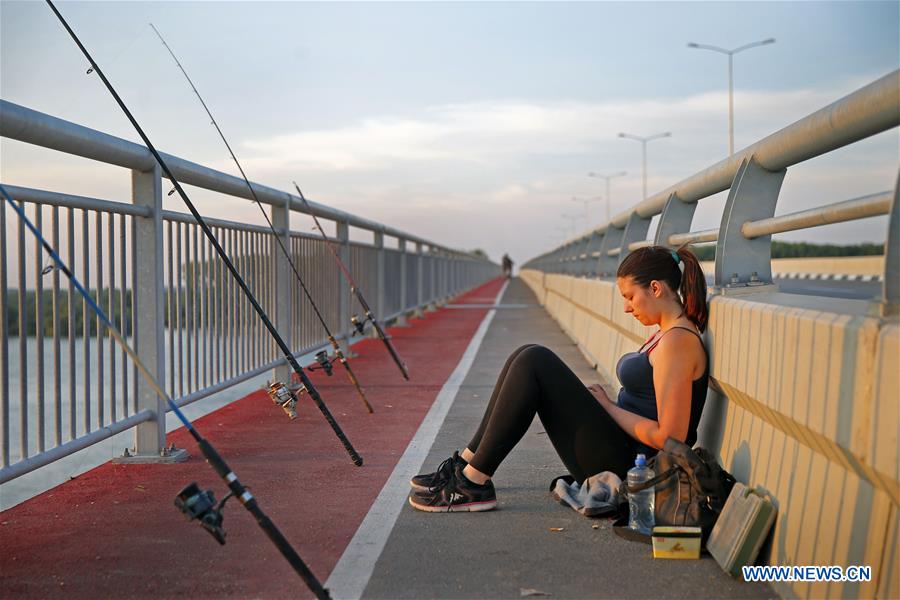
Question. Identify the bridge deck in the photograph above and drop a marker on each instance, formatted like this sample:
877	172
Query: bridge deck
113	531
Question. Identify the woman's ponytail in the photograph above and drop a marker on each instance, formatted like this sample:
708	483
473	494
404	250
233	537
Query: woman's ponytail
693	289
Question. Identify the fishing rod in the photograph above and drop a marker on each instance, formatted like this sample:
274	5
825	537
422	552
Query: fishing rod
321	357
288	355
354	289
194	503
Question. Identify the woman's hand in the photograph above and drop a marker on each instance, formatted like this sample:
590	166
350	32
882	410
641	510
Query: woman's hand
599	393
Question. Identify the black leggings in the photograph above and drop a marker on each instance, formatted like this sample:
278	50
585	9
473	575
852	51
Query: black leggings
535	381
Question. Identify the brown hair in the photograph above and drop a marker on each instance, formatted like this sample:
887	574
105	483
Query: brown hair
659	263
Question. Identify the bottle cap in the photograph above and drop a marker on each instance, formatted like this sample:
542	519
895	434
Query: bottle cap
640	461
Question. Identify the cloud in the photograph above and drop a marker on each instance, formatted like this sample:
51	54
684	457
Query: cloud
505	132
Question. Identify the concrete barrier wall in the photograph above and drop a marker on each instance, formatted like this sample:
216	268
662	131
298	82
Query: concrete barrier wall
803	402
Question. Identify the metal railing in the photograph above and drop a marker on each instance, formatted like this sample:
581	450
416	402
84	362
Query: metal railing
753	177
65	385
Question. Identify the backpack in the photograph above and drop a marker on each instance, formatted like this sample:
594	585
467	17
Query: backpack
691	489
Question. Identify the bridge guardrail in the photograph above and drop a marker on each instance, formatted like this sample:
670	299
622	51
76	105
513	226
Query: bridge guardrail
162	285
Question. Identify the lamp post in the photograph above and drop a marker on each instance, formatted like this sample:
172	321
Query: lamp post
587	201
607	178
731	54
643	141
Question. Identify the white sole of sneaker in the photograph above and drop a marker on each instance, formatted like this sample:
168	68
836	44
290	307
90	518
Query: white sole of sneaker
470	507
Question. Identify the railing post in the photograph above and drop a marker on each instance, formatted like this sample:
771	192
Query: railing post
745	265
676	217
420	280
588	264
284	279
401	245
890	295
431	302
379	277
635	231
439	278
606	264
345	303
149	303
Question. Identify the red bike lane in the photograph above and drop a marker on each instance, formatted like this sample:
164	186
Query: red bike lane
114	531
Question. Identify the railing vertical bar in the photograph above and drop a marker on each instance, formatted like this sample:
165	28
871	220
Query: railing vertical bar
264	289
225	293
204	328
39	328
222	304
4	344
250	318
256	260
170	304
230	316
242	317
134	313
123	312
218	312
85	317
113	412
23	348
270	304
212	329
57	374
101	331
192	340
179	301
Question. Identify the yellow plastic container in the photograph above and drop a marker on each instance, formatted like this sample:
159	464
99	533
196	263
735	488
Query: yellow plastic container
676	542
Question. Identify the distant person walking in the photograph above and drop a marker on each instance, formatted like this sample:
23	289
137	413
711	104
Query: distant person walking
507	266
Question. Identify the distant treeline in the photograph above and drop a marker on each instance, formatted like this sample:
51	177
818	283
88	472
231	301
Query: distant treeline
804	250
114	312
12	312
204	286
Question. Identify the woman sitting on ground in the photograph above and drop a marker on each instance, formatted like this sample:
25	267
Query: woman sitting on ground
663	391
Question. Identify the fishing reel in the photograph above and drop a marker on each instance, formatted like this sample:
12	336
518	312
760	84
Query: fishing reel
358	325
286	397
324	362
201	505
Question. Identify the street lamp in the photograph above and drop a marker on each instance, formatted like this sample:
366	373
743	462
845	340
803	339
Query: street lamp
643	141
730	54
587	201
608	195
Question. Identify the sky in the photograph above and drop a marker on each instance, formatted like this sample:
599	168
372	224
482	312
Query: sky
471	124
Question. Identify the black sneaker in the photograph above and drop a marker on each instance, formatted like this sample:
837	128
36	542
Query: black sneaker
427	481
457	494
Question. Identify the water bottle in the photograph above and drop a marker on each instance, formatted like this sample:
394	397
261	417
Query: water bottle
641	504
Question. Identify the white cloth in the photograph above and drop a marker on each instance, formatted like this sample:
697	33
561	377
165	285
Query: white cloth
597	496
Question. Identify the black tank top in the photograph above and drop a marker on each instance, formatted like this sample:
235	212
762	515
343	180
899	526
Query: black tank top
638	395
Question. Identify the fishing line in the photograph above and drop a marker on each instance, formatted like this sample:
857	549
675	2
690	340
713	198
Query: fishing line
286	351
124	49
337	349
212	456
354	289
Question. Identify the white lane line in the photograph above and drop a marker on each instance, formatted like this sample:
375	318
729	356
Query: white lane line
352	573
